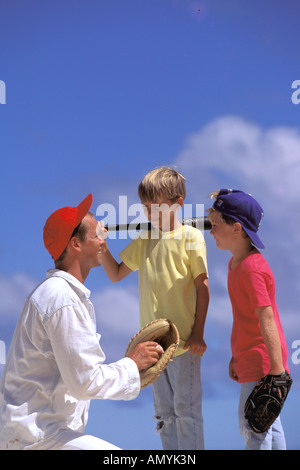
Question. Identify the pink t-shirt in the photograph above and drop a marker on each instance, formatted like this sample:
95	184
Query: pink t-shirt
251	284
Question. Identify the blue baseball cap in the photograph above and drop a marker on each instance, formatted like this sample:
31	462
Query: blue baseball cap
242	208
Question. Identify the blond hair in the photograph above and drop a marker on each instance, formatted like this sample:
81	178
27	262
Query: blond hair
211	210
163	181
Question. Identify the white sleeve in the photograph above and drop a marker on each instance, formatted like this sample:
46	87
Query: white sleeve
80	360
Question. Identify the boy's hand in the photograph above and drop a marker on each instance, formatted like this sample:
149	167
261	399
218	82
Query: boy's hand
196	344
101	230
196	341
232	372
265	402
102	233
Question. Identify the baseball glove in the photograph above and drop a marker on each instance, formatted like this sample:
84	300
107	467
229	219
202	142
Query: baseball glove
163	332
265	402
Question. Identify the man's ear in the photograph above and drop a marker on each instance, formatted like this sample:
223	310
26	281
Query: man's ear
74	244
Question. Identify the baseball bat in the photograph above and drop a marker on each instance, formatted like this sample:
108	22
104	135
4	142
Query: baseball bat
201	223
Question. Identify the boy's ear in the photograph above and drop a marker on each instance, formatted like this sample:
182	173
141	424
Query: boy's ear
180	201
237	228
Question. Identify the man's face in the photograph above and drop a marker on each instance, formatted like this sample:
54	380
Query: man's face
91	247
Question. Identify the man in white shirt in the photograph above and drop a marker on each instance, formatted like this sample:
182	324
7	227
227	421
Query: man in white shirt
55	364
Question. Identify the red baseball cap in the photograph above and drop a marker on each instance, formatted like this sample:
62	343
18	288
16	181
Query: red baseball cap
60	225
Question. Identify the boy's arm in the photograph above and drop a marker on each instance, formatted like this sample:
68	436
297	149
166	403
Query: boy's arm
114	270
196	341
271	338
232	372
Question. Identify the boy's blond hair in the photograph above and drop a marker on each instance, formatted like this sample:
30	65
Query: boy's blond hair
162	182
211	210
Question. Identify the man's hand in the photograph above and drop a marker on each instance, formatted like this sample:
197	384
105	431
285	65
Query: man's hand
146	354
152	348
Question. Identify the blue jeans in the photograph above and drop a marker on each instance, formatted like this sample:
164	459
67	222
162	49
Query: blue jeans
273	439
177	397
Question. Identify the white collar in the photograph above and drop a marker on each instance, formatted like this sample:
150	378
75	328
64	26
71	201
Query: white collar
69	278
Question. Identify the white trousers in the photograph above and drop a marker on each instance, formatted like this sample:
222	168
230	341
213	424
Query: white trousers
72	440
87	442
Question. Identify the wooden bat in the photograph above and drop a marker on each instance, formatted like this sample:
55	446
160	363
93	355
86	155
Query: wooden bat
201	223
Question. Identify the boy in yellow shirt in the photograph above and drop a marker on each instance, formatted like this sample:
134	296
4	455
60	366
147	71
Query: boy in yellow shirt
173	284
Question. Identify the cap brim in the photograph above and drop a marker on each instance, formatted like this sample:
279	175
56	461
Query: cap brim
254	238
83	208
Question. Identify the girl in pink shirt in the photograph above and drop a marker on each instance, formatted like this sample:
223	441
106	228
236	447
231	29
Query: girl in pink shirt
257	341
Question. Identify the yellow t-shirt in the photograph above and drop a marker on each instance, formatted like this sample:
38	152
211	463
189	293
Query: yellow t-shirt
168	264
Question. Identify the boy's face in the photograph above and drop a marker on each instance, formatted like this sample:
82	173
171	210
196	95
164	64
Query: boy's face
223	233
163	213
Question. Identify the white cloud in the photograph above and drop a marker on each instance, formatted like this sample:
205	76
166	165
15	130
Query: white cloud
117	308
231	152
13	292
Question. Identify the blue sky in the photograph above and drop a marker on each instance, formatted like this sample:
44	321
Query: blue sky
100	92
